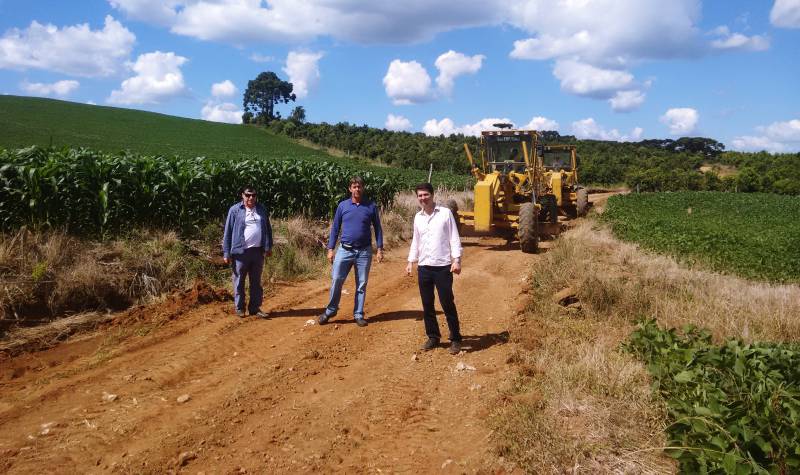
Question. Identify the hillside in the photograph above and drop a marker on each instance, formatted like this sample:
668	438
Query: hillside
26	121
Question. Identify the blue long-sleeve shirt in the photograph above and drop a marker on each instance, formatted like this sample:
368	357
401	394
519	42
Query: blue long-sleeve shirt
354	221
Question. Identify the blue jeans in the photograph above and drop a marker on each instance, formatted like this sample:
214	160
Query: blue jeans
361	259
249	264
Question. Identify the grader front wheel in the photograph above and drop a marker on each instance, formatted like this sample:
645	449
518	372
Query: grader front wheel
453	206
528	228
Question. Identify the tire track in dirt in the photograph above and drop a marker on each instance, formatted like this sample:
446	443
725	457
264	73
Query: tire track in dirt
277	394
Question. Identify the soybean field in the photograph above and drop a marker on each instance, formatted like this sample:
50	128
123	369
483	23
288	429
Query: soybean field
754	235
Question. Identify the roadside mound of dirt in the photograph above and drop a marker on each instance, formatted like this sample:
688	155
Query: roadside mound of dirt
176	304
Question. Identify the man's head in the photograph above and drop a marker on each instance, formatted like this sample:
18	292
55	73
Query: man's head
356	187
249	196
425	195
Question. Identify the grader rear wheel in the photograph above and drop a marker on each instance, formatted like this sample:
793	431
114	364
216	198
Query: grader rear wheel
528	228
582	202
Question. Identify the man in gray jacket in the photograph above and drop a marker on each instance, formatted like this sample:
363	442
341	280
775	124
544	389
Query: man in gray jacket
245	244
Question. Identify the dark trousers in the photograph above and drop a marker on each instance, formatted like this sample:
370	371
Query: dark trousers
441	278
249	264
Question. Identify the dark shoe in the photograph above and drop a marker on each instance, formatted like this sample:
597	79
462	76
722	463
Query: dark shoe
430	344
361	322
260	314
455	347
323	319
240	313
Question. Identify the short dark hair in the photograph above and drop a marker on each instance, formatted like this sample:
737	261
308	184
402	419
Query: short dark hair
248	188
357	179
424	186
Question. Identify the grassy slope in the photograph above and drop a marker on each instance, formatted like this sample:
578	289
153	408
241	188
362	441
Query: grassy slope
26	121
752	234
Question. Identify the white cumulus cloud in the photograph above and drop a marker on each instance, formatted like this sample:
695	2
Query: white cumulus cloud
785	14
225	88
626	101
158	78
76	50
377	21
584	79
589	129
160	12
222	112
452	64
303	71
407	82
777	137
541	123
680	120
737	41
397	123
59	88
447	127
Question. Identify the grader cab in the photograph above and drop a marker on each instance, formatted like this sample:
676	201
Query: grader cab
522	186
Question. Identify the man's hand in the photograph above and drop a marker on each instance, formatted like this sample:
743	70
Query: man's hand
268	253
330	256
380	254
226	260
409	267
455	267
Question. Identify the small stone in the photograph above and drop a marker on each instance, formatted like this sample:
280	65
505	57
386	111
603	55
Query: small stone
475	387
46	428
310	322
183	398
414	357
276	367
107	397
185	457
461	366
235	353
446	463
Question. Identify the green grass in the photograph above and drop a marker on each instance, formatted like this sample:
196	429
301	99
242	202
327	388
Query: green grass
754	235
26	121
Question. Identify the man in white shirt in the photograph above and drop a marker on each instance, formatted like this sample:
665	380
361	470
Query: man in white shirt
436	248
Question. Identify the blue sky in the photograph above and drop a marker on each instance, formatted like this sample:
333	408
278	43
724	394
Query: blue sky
605	69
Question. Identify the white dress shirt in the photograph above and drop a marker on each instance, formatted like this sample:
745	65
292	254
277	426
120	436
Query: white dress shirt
252	228
435	241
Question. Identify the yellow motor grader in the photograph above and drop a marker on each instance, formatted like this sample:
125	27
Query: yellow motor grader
522	186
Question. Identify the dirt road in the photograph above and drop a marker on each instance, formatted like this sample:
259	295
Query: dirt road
276	395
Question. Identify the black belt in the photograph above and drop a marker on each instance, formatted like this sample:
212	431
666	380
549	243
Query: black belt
349	247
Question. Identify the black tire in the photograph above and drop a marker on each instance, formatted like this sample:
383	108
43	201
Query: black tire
582	202
453	207
528	228
549	209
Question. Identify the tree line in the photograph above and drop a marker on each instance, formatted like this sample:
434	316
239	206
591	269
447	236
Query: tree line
686	163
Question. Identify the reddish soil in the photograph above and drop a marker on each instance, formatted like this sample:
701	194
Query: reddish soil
275	395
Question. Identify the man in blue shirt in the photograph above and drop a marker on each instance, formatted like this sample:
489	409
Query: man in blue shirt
245	243
353	217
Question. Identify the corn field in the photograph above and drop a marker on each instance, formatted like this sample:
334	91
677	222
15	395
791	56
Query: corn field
85	191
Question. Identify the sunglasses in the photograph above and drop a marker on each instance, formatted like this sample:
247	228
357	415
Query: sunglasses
250	195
